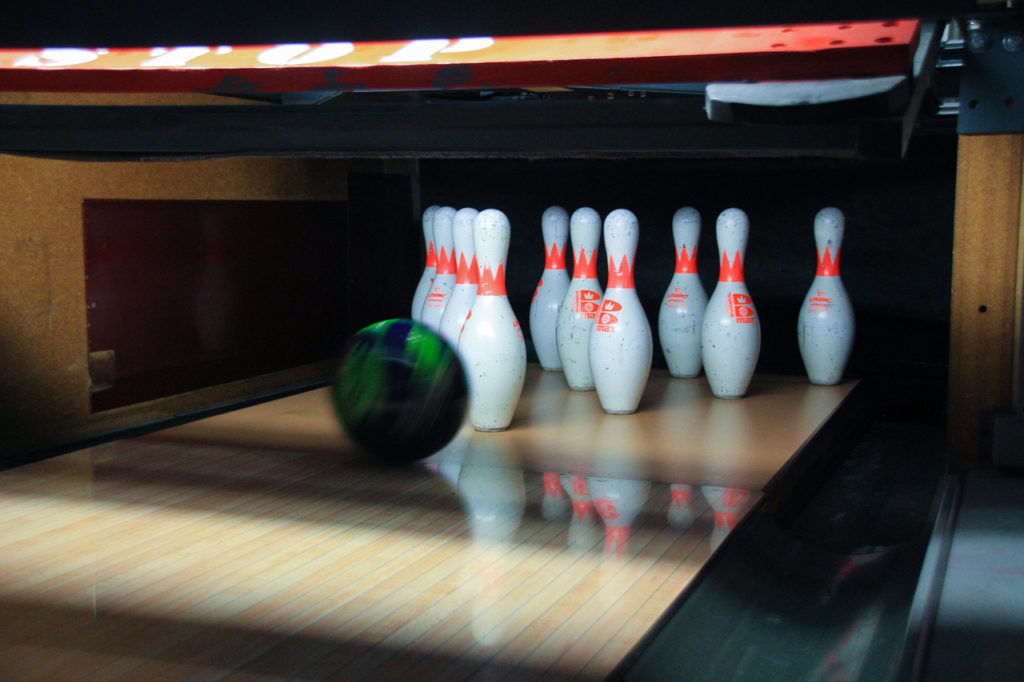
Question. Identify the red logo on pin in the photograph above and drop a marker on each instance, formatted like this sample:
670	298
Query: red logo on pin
586	303
741	308
676	299
819	303
435	299
605	320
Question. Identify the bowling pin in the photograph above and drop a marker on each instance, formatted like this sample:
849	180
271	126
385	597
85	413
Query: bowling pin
682	309
825	327
551	289
582	299
583	530
427	278
620	342
466	277
444	272
618	501
491	344
731	333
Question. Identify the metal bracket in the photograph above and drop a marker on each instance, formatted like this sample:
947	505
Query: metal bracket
992	79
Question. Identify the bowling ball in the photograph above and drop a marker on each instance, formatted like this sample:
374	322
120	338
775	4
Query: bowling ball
399	391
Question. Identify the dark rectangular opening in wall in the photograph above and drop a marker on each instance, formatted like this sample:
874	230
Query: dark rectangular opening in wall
182	295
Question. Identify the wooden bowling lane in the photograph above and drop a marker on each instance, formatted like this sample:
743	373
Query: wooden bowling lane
256	545
680	432
146	559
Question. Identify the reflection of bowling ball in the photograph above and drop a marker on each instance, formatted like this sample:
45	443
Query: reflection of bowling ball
400	391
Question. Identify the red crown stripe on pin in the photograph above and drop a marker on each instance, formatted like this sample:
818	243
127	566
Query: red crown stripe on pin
491	283
731	272
555	258
620	277
583	268
686	263
462	271
474	272
826	266
431	256
446	262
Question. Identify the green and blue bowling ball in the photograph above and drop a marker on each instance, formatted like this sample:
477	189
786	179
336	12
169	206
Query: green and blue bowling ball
399	391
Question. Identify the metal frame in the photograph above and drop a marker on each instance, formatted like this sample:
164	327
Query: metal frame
992	79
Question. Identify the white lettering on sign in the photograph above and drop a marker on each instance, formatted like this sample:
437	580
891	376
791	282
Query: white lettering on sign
178	56
416	51
469	45
57	57
296	54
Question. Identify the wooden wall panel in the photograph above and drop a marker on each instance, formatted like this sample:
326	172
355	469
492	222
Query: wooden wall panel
985	274
43	346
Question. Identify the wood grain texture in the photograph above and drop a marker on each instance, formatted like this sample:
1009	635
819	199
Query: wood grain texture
680	433
142	560
43	355
985	273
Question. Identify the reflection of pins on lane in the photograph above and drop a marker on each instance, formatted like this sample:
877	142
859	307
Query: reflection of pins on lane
682	308
680	505
428	271
579	307
444	273
618	501
551	289
491	345
466	277
554	504
731	335
447	462
825	327
494	495
583	530
728	505
620	342
492	491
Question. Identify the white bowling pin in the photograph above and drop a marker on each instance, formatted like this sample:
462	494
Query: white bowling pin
583	298
551	288
682	309
466	277
618	501
554	504
620	342
491	345
583	530
444	272
731	333
427	278
680	505
825	327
